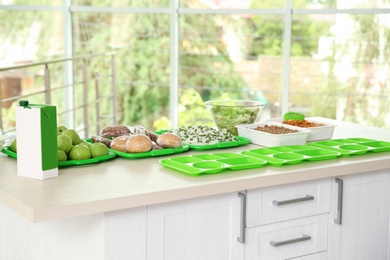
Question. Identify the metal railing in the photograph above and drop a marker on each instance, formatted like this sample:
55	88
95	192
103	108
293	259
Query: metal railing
91	79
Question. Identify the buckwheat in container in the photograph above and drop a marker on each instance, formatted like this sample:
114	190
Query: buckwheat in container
283	137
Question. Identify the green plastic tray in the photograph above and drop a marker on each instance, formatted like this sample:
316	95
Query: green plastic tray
152	153
241	141
284	155
212	163
7	150
353	146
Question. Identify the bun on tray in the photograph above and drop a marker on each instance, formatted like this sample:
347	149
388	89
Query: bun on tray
169	140
139	143
114	131
119	143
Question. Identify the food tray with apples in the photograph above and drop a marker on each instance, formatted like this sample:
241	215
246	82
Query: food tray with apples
7	150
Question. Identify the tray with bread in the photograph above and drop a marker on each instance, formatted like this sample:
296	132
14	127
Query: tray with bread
137	142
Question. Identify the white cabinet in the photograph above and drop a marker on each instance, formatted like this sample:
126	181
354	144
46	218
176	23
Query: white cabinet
205	228
290	201
363	233
125	234
288	239
318	256
79	238
288	221
284	222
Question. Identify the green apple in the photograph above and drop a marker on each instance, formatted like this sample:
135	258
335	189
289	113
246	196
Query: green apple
80	152
98	149
13	146
85	143
64	143
73	135
62	156
61	129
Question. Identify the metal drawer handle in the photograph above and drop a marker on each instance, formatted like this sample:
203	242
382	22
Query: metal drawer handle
290	241
340	183
284	202
241	238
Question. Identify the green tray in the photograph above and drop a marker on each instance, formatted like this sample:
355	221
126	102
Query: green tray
152	153
353	146
7	150
294	154
211	163
241	141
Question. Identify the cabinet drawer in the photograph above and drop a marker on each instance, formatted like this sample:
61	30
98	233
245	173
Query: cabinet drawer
318	256
285	202
288	239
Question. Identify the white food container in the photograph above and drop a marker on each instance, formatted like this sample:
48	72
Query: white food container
317	133
268	140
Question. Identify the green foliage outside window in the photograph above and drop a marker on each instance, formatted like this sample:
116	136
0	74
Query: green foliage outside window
207	71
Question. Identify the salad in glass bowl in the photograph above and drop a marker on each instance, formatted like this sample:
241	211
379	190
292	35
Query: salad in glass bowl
5	139
229	113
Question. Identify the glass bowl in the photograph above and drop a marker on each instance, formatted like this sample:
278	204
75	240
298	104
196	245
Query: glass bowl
229	113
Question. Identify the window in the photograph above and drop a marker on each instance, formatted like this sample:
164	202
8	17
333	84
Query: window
321	57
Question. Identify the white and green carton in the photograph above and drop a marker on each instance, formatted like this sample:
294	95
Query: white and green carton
36	134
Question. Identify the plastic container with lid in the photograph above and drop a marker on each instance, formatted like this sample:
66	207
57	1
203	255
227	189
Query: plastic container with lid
323	132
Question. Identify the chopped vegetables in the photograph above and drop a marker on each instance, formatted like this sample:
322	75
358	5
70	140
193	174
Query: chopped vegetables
226	117
203	135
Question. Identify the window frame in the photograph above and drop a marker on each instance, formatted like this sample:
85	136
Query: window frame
175	11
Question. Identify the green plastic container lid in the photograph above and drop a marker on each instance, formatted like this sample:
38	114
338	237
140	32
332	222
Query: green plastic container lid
293	116
23	103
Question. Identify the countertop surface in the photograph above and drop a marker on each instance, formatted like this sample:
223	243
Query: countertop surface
125	183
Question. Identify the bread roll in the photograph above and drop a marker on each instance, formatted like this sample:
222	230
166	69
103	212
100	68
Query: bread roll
119	143
169	140
156	146
99	139
139	129
114	131
139	143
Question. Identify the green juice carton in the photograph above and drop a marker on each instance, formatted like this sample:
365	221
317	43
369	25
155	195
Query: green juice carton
36	134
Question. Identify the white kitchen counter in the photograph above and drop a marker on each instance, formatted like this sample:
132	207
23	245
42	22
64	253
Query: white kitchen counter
123	183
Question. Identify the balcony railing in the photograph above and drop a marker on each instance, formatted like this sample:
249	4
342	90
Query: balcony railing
85	83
